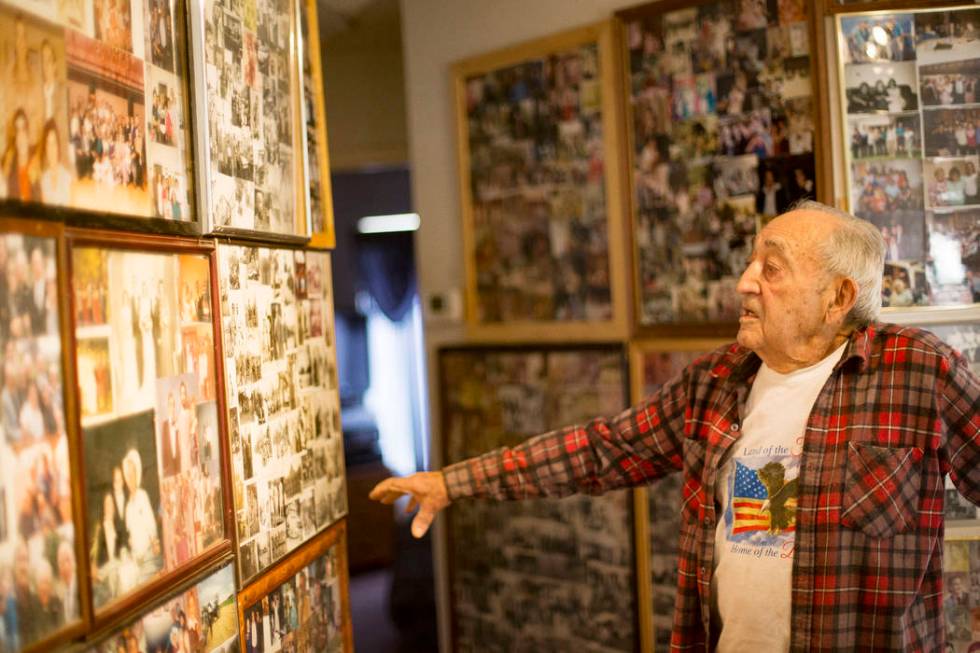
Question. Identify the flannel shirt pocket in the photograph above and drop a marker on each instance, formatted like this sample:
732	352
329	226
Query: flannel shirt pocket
882	494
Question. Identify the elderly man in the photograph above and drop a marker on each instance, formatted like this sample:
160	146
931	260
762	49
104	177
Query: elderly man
813	452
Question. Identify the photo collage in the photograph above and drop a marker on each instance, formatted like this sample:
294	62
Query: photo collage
38	568
318	193
147	394
302	615
961	595
203	619
95	119
913	140
282	397
249	111
544	574
663	498
722	122
537	178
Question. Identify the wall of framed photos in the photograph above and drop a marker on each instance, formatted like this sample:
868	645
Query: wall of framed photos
730	111
156	385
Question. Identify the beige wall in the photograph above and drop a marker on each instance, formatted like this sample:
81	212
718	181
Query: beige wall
364	88
436	33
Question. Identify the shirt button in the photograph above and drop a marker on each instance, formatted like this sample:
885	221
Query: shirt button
708	521
734	428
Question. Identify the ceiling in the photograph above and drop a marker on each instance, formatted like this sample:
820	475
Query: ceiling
342	15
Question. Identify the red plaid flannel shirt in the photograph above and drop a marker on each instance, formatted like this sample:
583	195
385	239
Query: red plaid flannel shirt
899	412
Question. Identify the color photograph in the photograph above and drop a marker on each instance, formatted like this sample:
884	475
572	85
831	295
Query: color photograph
38	570
536	173
203	619
96	105
714	149
961	594
152	402
953	268
304	613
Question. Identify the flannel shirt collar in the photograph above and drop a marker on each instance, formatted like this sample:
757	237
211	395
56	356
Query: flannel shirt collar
740	365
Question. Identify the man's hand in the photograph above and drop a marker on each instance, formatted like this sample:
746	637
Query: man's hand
429	495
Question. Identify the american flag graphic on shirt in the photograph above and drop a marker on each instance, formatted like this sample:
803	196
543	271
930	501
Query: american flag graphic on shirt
751	507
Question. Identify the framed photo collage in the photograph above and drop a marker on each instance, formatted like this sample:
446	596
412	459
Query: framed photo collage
708	118
170	439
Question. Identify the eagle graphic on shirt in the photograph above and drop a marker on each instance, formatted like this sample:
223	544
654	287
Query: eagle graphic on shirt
762	501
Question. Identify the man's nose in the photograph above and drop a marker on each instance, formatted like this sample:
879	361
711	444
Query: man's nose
748	283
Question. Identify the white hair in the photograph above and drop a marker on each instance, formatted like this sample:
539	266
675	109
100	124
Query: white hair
856	250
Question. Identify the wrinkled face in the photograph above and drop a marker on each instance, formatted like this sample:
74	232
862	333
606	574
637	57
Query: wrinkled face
784	290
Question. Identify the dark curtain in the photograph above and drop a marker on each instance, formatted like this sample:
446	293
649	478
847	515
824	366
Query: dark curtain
387	267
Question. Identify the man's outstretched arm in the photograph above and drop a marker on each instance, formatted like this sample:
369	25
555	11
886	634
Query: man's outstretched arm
634	448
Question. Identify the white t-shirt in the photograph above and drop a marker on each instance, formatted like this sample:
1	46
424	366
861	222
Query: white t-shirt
757	492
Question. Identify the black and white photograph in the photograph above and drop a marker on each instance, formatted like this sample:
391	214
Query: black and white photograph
567	563
881	88
284	407
249	114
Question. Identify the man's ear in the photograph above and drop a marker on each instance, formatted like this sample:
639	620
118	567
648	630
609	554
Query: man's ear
843	300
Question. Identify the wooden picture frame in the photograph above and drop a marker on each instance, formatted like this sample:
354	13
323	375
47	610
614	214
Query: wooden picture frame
119	300
656	507
929	261
248	112
281	398
511	293
33	248
105	115
720	97
326	551
317	198
196	612
577	551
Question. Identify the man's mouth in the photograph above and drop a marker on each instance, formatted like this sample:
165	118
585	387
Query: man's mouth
748	313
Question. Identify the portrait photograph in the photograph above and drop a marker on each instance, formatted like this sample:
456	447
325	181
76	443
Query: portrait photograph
954	256
881	88
536	170
496	397
878	38
904	284
123	488
38	566
304	613
202	619
157	413
287	468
